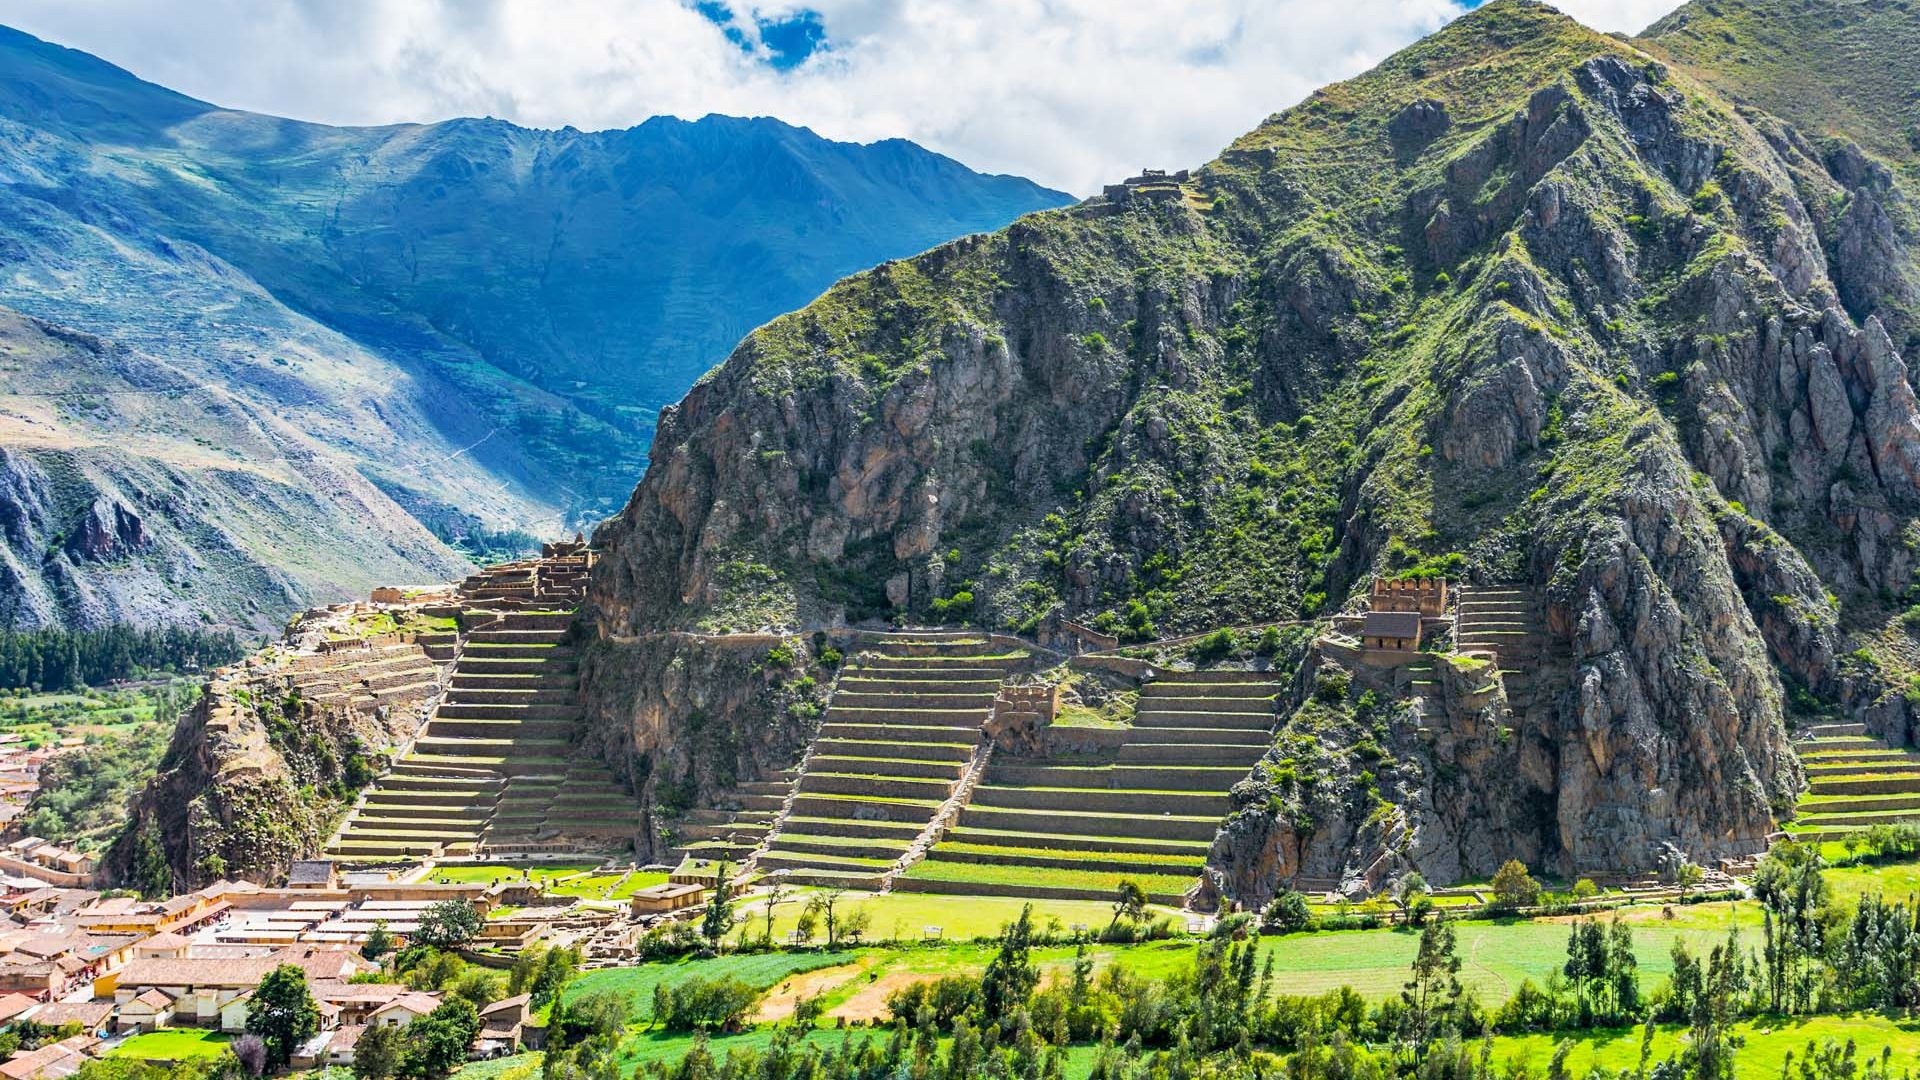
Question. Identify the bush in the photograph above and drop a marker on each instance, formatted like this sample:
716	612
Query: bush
939	1002
1331	685
1513	887
1214	647
1269	643
697	1004
1288	913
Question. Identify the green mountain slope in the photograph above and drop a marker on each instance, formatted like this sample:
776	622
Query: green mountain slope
1523	303
477	318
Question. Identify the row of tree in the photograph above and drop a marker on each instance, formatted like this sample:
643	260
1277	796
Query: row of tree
70	659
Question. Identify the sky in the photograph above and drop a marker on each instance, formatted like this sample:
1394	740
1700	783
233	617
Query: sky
1072	93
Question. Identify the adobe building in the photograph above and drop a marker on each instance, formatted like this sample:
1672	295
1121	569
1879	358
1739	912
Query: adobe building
1391	631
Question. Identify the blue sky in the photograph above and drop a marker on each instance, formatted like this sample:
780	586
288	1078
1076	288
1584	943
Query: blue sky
1072	93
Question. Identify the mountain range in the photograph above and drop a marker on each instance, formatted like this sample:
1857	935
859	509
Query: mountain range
253	363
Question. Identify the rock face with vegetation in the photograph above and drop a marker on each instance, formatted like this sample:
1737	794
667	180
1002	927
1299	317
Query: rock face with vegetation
682	718
1527	304
404	344
260	771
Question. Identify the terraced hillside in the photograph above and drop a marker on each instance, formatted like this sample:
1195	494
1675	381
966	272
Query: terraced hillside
1145	809
1506	623
899	734
493	767
1854	781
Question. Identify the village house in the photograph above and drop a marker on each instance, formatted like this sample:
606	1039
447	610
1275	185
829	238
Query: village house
665	897
150	1010
92	1017
50	1062
1391	631
501	1025
404	1010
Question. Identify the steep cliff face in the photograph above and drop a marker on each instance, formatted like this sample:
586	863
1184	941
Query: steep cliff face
682	718
1526	303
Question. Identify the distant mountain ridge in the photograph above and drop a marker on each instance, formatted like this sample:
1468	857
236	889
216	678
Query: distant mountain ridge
479	321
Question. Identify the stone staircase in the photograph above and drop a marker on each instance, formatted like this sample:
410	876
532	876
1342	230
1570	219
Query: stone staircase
1505	622
1146	809
896	738
1854	781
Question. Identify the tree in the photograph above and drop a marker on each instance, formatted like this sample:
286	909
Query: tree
437	1042
823	906
1434	987
379	943
152	873
377	1055
1010	976
1409	891
1288	912
777	894
542	972
1129	903
448	924
283	1013
719	917
1688	875
1513	887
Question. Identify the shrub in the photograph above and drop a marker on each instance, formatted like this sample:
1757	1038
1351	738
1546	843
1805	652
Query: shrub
1214	647
1288	913
1513	887
1331	685
697	1004
1269	642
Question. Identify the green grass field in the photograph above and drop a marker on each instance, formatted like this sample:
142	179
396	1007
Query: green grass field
760	970
172	1044
1768	1042
904	916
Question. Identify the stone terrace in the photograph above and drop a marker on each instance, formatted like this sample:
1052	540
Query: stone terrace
493	767
1854	781
1073	826
898	735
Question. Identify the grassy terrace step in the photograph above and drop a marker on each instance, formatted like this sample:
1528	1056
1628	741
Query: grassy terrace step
1854	820
1092	884
835	729
814	848
981	836
851	827
1136	862
890	767
874	748
779	860
862	684
1159	755
864	785
1860	742
1198	736
1150	803
1875	767
1255	723
1198	827
829	805
1835	804
920	718
1892	783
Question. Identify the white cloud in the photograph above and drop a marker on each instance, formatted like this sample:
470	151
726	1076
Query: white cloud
1070	92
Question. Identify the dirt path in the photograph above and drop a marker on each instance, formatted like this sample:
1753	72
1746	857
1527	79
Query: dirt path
870	1002
778	1003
